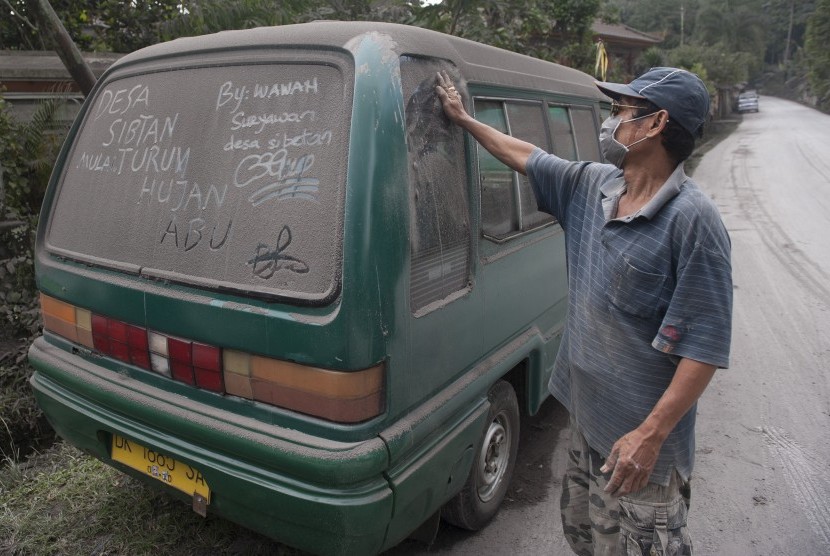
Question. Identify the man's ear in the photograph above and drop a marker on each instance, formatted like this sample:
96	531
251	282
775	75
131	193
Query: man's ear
659	123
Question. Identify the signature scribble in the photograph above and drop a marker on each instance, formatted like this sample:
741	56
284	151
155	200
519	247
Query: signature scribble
292	181
292	188
267	262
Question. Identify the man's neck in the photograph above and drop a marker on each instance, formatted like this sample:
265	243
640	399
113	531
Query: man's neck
642	182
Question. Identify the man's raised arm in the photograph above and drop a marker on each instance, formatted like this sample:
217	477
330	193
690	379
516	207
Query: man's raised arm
511	151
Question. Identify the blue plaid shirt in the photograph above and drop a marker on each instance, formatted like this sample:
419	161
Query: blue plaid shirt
645	291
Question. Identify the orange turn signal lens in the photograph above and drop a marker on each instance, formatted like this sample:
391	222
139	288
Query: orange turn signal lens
66	320
342	396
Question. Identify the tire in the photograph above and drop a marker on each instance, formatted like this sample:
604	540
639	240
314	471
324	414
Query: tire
492	470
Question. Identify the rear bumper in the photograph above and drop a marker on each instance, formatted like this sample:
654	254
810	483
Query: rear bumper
247	464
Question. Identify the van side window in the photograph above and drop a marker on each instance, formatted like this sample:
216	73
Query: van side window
508	206
499	216
527	122
439	203
564	145
587	141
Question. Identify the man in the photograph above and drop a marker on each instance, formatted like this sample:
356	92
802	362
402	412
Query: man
649	318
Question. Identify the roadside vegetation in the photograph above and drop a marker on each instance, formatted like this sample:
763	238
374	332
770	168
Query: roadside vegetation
64	502
55	500
27	151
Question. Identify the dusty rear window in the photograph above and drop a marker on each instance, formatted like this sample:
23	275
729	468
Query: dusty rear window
225	177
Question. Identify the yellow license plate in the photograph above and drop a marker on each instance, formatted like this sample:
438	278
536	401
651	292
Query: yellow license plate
159	466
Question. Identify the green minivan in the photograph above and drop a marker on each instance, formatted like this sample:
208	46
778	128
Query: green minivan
277	283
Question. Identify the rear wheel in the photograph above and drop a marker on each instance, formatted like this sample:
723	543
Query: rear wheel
495	459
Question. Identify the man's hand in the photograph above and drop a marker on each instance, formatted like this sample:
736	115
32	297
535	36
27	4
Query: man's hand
450	99
632	458
510	150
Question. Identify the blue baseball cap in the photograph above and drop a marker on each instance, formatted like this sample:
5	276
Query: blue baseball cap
681	93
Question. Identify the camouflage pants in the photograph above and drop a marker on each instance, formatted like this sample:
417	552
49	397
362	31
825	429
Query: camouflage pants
649	522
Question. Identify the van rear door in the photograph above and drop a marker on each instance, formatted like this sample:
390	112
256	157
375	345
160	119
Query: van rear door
228	179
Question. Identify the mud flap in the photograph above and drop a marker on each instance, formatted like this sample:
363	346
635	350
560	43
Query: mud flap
428	530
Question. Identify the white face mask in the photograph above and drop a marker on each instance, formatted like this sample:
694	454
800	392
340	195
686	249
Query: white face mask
614	151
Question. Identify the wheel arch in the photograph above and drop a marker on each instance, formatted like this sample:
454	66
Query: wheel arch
529	380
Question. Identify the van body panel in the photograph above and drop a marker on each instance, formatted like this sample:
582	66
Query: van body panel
444	341
469	389
539	290
375	217
433	474
511	295
441	328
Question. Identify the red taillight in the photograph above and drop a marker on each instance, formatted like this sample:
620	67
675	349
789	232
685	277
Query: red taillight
341	396
123	341
139	352
137	338
181	360
100	334
182	372
120	351
116	334
118	330
179	350
207	357
207	367
209	380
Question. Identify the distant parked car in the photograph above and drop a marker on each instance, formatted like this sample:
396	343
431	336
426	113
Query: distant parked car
748	102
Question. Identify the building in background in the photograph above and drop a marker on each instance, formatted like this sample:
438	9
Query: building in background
623	45
30	77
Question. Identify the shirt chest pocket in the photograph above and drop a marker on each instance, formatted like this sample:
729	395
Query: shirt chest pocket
636	291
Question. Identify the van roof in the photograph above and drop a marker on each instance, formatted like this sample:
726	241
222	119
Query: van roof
479	63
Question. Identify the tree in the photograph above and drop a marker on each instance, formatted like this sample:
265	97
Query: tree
722	67
736	27
19	30
672	19
525	26
733	39
787	21
27	151
502	23
816	54
111	25
55	32
128	26
210	16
